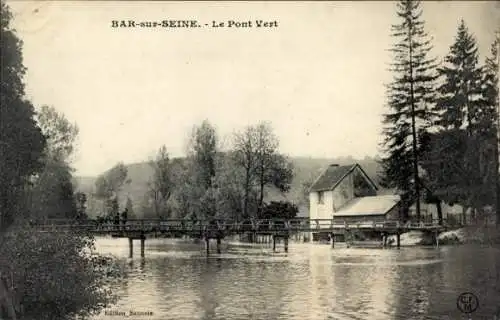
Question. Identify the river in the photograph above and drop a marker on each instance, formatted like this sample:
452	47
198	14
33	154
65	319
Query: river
313	281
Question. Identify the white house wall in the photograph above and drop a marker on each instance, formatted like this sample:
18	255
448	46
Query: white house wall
321	210
313	205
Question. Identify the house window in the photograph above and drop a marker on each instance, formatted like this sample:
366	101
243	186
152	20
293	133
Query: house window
320	197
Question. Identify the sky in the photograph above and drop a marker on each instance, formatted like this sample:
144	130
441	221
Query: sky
319	76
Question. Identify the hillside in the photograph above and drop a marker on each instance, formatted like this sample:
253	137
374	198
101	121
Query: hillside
305	169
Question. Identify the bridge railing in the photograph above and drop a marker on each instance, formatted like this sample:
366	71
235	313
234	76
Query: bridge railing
212	225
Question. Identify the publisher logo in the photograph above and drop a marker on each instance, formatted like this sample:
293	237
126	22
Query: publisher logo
467	302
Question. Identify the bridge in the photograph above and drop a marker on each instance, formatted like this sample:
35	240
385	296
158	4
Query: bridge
220	228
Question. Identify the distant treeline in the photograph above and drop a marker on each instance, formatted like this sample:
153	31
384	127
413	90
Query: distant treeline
133	195
207	183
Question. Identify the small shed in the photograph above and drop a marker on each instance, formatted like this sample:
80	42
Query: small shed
370	209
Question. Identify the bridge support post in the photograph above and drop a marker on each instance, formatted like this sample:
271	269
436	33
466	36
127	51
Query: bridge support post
218	245
398	240
207	245
130	247
436	234
286	243
143	241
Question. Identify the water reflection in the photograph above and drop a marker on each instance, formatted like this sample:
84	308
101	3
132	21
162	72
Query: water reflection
177	281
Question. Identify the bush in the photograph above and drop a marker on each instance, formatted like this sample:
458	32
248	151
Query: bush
279	210
54	275
450	240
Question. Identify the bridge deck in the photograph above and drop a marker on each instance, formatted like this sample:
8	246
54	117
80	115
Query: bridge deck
226	227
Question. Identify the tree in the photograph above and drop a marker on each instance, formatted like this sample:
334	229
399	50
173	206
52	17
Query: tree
81	205
21	140
267	144
279	210
410	98
60	134
272	168
491	84
204	151
52	194
114	207
256	153
245	156
182	203
112	181
161	186
461	100
147	208
109	184
202	169
129	206
304	192
462	159
280	173
229	197
52	275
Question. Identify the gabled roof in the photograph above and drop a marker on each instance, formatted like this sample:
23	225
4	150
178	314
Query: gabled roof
364	206
333	175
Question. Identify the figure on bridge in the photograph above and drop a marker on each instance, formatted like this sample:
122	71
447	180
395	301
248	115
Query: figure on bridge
117	220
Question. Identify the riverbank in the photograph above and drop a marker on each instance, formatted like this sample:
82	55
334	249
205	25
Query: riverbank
483	234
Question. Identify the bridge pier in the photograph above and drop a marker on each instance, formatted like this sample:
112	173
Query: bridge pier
207	245
143	242
130	247
398	240
436	234
218	245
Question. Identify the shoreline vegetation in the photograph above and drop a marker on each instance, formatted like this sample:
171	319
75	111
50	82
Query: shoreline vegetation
467	235
43	275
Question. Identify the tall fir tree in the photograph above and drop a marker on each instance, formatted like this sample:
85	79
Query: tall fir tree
491	92
467	118
461	103
410	99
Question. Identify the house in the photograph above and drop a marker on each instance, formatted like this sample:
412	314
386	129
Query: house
346	193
